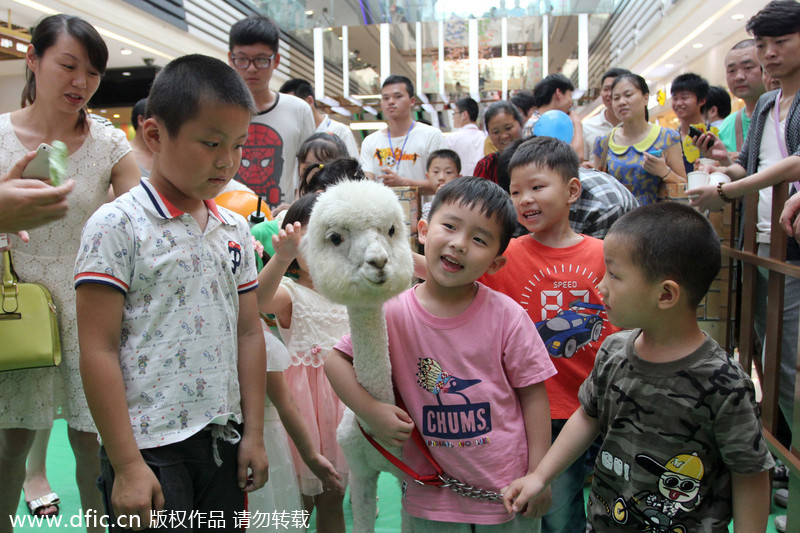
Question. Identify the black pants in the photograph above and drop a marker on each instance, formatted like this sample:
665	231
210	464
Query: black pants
198	494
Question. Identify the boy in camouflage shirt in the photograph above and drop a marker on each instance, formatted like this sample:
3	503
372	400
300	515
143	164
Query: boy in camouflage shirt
683	449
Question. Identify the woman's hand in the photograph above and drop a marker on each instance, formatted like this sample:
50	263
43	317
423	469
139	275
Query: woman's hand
711	147
657	166
706	198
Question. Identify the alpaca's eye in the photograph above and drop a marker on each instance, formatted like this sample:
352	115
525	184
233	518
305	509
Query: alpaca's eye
391	231
335	239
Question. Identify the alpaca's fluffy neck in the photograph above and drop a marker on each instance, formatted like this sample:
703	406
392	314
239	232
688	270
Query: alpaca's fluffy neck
371	351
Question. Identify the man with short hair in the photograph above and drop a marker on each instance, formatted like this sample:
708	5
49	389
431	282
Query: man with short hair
555	93
397	155
601	123
303	90
525	102
718	106
743	76
468	140
689	92
283	122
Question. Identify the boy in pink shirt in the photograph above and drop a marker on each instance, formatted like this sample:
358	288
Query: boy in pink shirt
468	365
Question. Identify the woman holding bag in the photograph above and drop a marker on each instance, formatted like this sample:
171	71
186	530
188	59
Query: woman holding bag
65	62
640	155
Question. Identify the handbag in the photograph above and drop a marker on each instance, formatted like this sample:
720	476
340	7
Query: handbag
29	336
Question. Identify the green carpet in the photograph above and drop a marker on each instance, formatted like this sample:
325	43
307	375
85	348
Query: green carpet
61	472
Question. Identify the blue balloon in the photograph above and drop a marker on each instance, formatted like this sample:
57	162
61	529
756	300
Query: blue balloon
554	123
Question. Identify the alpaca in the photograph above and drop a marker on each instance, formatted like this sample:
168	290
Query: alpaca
358	255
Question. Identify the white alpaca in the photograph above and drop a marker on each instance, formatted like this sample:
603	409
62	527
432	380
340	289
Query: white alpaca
358	255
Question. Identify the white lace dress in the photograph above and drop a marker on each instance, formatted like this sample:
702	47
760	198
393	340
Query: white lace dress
281	493
31	399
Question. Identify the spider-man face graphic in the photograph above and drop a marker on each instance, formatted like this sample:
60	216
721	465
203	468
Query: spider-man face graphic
262	163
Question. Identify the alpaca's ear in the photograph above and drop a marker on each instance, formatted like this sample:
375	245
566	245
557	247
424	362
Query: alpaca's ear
496	265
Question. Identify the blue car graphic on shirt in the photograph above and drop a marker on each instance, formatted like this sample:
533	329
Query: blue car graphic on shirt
569	330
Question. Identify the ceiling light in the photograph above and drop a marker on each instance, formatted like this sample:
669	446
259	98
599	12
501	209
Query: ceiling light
104	111
126	51
737	16
341	38
697	45
126	73
668	65
309	12
366	96
115	115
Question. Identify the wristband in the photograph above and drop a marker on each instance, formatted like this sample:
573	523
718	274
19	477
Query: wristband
722	194
662	178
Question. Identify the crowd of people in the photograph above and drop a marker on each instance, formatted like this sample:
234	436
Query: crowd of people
552	326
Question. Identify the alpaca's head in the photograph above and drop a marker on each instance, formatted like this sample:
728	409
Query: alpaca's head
356	245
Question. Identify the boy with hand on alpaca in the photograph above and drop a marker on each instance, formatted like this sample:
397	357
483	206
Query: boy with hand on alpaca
443	167
468	365
553	274
172	352
705	462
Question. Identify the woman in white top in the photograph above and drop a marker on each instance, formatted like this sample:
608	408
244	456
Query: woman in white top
65	62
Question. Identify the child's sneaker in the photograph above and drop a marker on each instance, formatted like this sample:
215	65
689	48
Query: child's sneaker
780	523
781	497
780	477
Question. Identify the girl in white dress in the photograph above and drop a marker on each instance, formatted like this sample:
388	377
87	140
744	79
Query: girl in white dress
64	63
309	325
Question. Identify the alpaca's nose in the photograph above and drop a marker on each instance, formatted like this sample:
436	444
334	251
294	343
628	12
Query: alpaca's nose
377	262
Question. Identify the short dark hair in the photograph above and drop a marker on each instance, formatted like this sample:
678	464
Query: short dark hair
257	29
444	153
502	106
492	202
300	88
670	240
779	17
719	97
470	106
503	160
138	110
524	100
613	73
547	152
544	90
397	78
333	172
326	147
177	92
692	83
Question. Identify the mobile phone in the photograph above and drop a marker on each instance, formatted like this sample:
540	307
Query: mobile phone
654	152
694	133
39	167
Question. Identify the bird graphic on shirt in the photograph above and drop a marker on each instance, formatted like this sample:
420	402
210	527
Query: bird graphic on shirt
434	379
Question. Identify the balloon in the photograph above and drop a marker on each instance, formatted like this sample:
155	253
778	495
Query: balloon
554	123
242	202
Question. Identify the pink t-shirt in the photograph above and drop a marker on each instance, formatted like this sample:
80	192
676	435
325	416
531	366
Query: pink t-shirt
457	378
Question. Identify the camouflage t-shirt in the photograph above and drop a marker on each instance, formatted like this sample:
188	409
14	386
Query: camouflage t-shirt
673	433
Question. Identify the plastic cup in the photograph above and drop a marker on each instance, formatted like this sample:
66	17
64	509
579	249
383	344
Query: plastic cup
717	178
697	179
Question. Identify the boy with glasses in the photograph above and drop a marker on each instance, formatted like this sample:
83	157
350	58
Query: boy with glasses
283	121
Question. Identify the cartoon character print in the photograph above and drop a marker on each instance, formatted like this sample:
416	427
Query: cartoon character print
679	483
262	163
183	416
147	298
454	421
196	262
143	363
235	250
215	290
181	294
124	334
201	386
167	234
144	423
198	324
96	239
388	158
181	355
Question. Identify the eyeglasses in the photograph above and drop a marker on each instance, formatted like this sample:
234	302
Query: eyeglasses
243	63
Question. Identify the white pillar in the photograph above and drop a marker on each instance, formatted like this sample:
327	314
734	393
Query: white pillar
583	51
386	68
418	34
474	72
319	65
345	62
504	55
545	44
441	57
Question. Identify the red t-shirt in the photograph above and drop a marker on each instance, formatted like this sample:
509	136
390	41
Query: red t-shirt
557	287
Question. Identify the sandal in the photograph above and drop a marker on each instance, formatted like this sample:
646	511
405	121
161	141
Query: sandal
37	506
